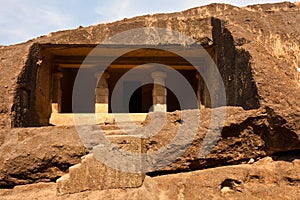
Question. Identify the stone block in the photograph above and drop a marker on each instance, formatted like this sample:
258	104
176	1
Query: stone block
101	108
160	108
92	174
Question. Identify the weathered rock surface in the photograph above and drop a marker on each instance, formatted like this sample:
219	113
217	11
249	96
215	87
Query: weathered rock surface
44	154
92	174
258	52
245	135
257	47
37	154
268	178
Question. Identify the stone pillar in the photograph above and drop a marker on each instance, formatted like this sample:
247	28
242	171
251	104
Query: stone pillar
102	94
159	92
56	107
199	91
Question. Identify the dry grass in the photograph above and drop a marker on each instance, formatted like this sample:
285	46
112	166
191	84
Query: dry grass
251	9
274	8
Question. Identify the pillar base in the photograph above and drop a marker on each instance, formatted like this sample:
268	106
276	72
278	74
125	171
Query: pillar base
101	108
44	121
55	108
160	108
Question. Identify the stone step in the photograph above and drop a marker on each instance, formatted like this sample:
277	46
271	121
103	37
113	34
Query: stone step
123	126
67	119
120	132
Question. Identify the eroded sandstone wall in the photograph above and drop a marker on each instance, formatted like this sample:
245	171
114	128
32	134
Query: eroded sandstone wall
12	62
254	75
252	58
235	68
24	107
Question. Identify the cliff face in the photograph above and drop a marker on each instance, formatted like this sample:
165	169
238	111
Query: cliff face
257	48
257	53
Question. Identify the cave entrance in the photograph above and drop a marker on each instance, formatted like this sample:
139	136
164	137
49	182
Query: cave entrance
61	63
135	100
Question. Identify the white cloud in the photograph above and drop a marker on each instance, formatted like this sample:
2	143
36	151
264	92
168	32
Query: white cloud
20	21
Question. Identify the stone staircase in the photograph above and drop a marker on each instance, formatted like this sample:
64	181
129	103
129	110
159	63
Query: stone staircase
92	174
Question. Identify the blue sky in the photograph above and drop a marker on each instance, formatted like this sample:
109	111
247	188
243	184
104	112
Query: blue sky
21	20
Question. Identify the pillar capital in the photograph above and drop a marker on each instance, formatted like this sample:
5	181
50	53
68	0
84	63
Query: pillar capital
104	75
58	74
198	76
158	74
159	77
